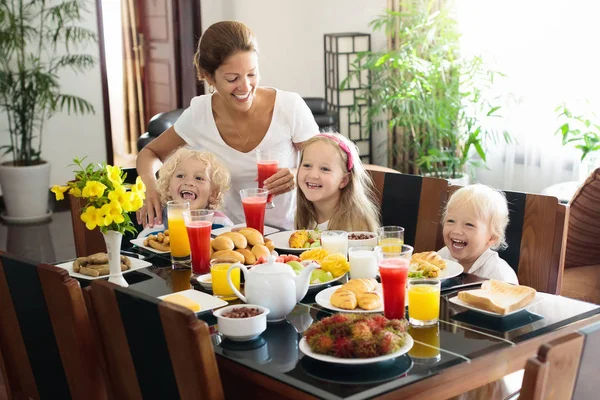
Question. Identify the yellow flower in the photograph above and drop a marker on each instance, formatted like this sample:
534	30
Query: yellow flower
139	188
121	196
93	189
137	201
92	217
113	212
114	175
75	191
59	191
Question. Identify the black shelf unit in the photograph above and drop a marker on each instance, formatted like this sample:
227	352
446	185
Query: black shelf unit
341	50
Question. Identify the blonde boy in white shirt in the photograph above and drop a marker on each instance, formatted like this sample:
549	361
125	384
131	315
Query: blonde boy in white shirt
475	222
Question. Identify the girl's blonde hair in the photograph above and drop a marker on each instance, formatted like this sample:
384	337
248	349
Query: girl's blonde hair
356	210
217	174
487	204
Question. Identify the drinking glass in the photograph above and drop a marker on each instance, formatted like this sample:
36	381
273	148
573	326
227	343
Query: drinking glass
426	347
363	262
391	237
198	224
335	242
180	279
218	272
267	162
423	301
393	269
180	244
254	202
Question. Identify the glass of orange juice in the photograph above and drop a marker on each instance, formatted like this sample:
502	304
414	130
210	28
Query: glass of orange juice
218	274
391	238
426	349
423	301
180	244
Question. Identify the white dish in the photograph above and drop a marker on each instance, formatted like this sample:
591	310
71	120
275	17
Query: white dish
322	299
205	281
242	329
372	241
281	240
305	348
216	232
323	284
536	300
139	242
136	263
452	269
206	301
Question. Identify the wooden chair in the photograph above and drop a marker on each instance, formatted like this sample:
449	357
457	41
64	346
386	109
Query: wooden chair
154	349
565	368
536	237
414	203
89	242
46	340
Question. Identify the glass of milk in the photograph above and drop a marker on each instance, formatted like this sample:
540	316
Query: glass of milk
363	262
335	242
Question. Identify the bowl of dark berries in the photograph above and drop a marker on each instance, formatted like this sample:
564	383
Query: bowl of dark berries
242	322
362	239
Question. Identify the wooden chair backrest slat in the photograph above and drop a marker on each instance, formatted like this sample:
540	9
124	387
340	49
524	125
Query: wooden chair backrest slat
588	385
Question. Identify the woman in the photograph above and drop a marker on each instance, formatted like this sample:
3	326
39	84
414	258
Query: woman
235	120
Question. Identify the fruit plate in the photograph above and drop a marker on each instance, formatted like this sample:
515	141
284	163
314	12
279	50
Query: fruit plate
322	299
305	348
136	263
323	284
539	297
281	240
206	301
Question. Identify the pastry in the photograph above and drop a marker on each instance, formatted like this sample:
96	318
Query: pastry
222	243
369	301
359	286
431	257
239	240
260	250
230	254
249	257
253	236
344	299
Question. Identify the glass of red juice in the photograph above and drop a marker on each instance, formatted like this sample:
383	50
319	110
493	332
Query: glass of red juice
268	163
198	224
255	201
393	269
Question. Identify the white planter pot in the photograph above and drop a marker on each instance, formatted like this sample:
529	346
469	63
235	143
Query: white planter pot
25	191
464	179
113	248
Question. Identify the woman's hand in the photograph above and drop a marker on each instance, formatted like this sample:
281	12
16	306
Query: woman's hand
280	182
151	209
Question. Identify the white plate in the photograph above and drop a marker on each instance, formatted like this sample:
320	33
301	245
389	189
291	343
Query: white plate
136	263
322	299
218	231
322	284
305	348
536	300
205	281
139	242
206	301
282	242
452	269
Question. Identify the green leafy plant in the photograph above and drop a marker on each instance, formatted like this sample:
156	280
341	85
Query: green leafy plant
39	39
579	130
431	98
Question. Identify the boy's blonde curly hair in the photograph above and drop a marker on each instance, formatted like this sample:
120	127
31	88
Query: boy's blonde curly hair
217	174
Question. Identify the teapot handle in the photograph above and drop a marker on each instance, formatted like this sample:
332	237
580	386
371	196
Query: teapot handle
231	285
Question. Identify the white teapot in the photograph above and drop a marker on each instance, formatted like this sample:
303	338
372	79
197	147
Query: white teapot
273	285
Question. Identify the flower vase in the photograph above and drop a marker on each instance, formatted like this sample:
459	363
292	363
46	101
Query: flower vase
113	248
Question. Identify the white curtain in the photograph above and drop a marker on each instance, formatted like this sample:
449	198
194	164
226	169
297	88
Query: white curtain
548	51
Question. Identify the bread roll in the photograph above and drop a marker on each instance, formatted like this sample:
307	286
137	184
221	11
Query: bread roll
229	254
343	298
239	240
369	301
222	243
253	236
260	250
498	297
249	257
269	243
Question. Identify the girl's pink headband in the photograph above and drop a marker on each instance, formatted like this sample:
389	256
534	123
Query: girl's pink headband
343	146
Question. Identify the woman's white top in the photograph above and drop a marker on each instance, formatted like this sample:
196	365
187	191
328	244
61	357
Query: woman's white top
489	265
292	122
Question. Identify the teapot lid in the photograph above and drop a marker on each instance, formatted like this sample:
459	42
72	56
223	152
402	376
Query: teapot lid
272	267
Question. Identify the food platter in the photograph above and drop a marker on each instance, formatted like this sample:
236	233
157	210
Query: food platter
206	301
136	263
322	299
281	240
539	297
313	286
305	348
216	232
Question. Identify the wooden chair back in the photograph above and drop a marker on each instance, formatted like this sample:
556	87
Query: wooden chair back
565	368
414	203
536	235
46	339
154	349
89	242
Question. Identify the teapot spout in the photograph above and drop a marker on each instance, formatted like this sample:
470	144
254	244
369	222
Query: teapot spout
303	280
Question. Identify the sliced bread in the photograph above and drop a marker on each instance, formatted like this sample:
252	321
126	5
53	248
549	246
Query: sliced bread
499	297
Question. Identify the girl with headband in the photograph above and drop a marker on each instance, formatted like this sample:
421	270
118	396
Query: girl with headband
336	192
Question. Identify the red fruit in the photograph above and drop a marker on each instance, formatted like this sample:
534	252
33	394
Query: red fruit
337	319
261	260
388	343
380	320
373	326
342	347
361	331
321	343
398	326
366	349
314	329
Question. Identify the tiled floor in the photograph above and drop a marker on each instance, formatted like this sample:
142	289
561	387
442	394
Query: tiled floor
47	242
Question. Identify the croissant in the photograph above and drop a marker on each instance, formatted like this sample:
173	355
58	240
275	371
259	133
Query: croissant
369	301
431	257
345	299
359	286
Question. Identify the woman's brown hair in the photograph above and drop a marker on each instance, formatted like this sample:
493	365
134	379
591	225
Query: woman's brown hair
219	41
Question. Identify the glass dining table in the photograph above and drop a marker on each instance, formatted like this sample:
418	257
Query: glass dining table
465	350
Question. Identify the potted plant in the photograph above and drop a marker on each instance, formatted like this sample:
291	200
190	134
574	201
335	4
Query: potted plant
38	40
432	97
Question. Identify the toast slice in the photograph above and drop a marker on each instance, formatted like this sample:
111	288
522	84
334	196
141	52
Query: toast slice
498	297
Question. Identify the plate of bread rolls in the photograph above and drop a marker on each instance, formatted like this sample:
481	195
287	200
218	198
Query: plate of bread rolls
355	296
156	242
